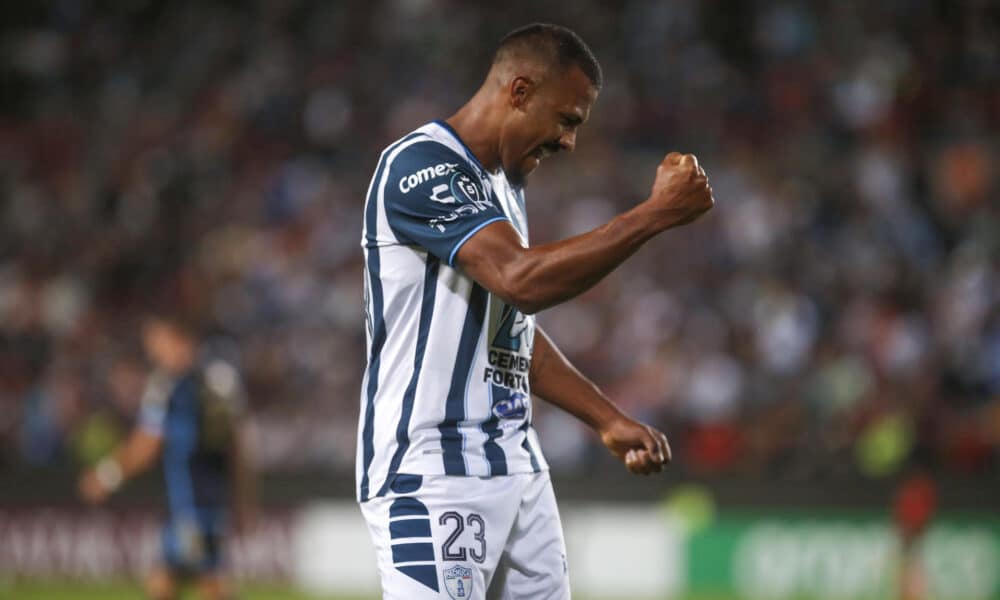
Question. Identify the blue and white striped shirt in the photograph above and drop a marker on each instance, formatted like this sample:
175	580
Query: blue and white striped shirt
446	387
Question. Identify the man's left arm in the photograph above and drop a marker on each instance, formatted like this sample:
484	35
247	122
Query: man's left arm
642	448
139	452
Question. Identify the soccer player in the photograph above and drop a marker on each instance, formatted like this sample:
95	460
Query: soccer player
913	510
451	478
190	417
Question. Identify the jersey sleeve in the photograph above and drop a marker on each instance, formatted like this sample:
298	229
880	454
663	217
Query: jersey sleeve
435	200
153	407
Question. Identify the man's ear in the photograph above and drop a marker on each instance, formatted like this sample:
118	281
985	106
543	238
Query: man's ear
520	90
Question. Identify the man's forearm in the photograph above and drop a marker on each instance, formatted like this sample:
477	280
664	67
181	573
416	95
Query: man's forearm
536	278
550	274
134	456
138	454
557	381
542	276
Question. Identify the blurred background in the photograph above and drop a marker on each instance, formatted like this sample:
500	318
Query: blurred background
829	331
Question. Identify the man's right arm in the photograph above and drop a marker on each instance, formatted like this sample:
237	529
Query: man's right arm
539	277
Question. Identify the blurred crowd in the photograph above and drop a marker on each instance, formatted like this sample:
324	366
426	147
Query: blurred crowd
837	313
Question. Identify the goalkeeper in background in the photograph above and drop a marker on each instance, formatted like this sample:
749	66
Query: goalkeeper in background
190	418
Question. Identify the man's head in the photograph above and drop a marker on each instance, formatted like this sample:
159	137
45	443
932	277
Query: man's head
546	79
169	341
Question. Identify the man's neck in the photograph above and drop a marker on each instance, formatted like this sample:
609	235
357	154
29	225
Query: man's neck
475	125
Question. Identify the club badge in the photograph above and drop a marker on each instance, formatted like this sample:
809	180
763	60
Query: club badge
458	582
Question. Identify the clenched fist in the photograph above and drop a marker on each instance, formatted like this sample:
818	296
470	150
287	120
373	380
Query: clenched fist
681	192
644	450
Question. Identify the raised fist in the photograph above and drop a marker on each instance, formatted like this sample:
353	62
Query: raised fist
681	192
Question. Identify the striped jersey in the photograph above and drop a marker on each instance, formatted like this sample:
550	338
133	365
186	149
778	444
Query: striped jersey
446	386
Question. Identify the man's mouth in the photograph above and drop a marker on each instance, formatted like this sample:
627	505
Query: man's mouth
544	151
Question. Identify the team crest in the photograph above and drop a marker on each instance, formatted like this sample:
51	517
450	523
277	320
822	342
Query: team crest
467	191
464	188
458	582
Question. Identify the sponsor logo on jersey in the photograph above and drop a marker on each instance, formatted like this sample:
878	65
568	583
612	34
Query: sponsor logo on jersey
464	192
409	182
514	406
508	369
458	582
509	357
461	190
440	223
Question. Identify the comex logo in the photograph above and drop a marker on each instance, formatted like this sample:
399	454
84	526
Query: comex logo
409	182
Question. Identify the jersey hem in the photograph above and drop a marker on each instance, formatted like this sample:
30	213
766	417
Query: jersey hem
543	468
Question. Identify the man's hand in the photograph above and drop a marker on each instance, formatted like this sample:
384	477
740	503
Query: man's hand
644	450
91	488
680	192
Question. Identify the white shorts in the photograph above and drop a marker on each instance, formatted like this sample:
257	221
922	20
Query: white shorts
441	536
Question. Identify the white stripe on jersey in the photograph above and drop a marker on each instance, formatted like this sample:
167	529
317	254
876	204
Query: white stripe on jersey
446	386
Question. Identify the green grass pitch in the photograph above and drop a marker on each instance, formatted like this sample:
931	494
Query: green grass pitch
69	590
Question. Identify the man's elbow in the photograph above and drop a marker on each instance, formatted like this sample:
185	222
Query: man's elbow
524	296
515	281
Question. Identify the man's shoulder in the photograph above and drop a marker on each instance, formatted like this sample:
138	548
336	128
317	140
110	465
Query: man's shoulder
424	148
424	165
160	386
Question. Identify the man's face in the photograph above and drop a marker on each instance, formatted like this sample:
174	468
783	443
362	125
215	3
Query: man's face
165	346
544	121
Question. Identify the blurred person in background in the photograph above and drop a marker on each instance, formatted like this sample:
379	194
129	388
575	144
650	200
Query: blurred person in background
190	418
914	506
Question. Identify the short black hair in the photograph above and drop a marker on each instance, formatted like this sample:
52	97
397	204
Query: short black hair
170	308
554	45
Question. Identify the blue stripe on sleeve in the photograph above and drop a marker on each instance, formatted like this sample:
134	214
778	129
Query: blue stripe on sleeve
461	242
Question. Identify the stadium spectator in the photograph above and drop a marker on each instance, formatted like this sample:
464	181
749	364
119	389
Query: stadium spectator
853	271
